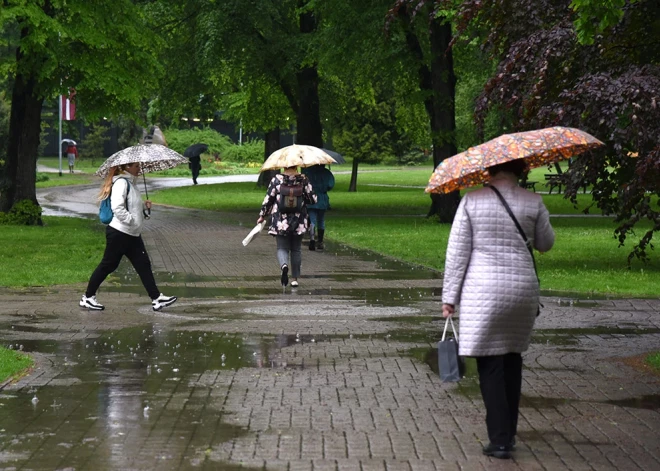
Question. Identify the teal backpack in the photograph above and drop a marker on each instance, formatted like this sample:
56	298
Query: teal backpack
105	210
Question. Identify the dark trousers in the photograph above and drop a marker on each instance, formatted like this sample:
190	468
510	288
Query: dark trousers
500	380
118	244
195	171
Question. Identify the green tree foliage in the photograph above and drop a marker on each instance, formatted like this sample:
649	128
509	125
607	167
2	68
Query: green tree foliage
103	50
92	146
593	17
610	89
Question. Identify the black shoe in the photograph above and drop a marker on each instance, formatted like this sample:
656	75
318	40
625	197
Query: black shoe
312	245
285	275
320	246
500	452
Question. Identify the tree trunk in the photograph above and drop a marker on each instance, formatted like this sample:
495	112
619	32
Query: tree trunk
438	84
308	116
271	145
443	121
352	186
24	129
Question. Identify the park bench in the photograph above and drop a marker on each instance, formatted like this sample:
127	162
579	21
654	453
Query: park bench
527	184
555	180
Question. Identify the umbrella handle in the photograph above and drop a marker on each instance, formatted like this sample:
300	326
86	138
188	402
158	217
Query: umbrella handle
146	192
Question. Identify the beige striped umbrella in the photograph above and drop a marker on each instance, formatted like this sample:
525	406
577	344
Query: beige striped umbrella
297	156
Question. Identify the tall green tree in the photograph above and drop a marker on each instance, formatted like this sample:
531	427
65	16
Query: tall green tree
103	50
428	36
252	60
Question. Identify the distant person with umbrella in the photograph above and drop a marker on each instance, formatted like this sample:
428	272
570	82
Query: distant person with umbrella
322	181
194	154
71	154
123	233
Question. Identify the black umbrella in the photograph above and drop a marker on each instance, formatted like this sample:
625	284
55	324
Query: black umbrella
335	155
195	150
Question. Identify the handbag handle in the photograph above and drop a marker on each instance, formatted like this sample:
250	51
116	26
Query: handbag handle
453	329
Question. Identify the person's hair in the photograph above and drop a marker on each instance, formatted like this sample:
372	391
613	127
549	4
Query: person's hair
518	167
106	187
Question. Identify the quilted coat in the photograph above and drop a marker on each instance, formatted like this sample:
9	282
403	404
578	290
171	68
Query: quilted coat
489	272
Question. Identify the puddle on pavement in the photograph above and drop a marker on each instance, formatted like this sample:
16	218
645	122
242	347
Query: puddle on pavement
376	297
133	386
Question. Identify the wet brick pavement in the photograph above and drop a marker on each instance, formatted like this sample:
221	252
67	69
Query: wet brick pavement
336	375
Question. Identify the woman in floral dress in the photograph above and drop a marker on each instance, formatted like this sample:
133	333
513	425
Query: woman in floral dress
289	222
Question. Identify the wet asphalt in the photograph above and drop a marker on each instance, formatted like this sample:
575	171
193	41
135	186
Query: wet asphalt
338	374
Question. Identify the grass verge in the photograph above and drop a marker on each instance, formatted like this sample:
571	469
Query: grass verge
65	250
385	219
13	363
653	360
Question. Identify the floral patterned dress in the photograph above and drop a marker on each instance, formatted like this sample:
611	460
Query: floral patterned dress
283	223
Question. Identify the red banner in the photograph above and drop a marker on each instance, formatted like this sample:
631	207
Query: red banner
69	106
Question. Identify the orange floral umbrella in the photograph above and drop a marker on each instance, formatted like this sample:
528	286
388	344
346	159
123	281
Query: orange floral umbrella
539	147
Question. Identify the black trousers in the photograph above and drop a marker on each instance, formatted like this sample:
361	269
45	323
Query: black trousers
118	244
500	380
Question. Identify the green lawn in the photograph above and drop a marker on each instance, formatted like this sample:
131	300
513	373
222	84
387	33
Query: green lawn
385	219
654	361
67	179
65	250
13	363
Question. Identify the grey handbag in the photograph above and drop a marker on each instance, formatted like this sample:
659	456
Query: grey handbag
450	365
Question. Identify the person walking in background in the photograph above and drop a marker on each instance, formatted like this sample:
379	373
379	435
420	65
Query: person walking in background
195	166
286	201
123	237
322	181
71	155
490	273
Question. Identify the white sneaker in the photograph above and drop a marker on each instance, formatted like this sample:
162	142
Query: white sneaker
162	301
91	303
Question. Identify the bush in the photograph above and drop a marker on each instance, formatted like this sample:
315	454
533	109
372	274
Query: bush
252	151
208	169
42	177
23	213
180	139
411	158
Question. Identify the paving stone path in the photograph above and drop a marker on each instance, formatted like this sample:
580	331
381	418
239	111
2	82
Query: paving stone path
336	375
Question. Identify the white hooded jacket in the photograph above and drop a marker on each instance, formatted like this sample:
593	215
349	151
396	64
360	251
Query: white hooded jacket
127	220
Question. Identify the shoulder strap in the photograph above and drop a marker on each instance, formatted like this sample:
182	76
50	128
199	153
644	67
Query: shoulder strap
520	229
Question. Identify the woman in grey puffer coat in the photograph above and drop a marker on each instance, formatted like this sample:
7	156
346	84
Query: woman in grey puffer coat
490	273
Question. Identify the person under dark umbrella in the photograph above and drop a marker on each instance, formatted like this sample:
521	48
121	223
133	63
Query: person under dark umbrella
194	154
195	166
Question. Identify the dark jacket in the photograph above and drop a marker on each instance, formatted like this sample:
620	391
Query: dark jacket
322	181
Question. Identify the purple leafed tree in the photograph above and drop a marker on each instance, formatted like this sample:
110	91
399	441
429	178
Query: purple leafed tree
608	86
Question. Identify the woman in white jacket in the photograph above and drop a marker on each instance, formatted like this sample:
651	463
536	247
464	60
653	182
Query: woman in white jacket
122	237
490	273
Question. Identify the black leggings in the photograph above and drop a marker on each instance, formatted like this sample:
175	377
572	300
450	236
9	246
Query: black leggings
118	244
